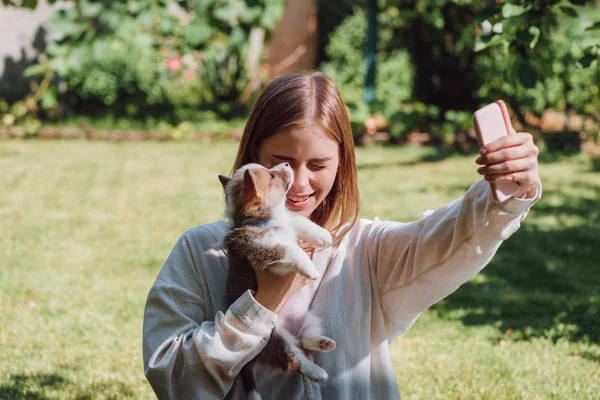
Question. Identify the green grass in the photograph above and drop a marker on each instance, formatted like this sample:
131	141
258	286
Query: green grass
85	227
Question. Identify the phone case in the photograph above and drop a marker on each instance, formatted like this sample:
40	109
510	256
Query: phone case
490	124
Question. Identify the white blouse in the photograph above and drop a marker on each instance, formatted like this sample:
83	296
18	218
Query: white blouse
374	286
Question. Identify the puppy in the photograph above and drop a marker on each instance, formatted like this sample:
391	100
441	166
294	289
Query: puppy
264	235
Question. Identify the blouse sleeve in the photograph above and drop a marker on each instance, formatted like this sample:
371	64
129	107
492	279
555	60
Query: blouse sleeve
188	354
417	264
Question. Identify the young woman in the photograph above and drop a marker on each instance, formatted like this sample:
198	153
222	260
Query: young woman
376	280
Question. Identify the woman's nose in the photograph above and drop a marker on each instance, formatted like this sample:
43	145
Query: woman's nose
301	178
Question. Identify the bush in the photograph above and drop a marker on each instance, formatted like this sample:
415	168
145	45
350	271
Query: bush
394	73
445	59
135	58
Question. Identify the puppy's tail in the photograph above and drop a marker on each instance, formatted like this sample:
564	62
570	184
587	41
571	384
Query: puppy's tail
247	374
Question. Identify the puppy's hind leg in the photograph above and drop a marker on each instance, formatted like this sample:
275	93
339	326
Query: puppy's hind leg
308	368
311	337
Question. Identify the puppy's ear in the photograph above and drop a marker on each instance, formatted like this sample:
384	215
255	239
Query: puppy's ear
224	180
251	184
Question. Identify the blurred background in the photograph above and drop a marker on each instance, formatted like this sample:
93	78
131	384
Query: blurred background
411	70
117	116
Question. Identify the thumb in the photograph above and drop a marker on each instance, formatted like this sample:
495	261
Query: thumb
504	109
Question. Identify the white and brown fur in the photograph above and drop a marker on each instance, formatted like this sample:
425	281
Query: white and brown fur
264	235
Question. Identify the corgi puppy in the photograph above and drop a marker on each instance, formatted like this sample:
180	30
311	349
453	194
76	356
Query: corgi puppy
264	235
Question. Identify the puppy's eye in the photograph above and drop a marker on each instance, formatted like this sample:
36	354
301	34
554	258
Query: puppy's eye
272	175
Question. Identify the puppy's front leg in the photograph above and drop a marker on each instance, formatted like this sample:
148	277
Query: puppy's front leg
302	261
310	232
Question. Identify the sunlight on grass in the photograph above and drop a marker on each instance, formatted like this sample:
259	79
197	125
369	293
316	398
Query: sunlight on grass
85	227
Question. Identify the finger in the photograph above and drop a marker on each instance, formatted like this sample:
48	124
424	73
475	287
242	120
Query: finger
506	116
509	153
506	141
511	166
512	177
524	178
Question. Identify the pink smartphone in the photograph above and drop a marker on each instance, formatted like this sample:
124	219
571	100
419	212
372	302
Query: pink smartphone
491	124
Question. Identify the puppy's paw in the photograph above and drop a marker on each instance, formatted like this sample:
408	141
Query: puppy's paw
318	343
309	270
313	371
322	237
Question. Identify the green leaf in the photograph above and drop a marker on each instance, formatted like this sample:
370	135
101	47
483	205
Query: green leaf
527	75
197	32
483	42
513	10
29	4
34	70
201	7
569	11
77	57
59	65
145	18
223	13
166	26
63	24
542	66
144	41
126	29
237	37
100	48
89	9
435	18
49	99
88	36
535	32
594	27
250	15
112	19
272	14
529	37
55	49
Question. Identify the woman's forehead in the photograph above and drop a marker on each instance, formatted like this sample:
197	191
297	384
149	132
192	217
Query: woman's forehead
303	141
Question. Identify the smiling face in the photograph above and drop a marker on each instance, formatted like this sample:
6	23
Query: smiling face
314	157
320	149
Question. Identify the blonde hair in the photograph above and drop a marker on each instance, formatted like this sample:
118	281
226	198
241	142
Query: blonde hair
291	99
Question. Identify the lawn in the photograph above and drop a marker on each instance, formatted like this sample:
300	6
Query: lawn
85	227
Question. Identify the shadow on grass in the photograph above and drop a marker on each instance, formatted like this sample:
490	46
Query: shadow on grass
544	281
591	356
29	387
33	387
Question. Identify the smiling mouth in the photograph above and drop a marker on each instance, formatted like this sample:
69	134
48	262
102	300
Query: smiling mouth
298	199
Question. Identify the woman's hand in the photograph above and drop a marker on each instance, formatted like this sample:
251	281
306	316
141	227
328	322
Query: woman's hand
275	290
511	158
